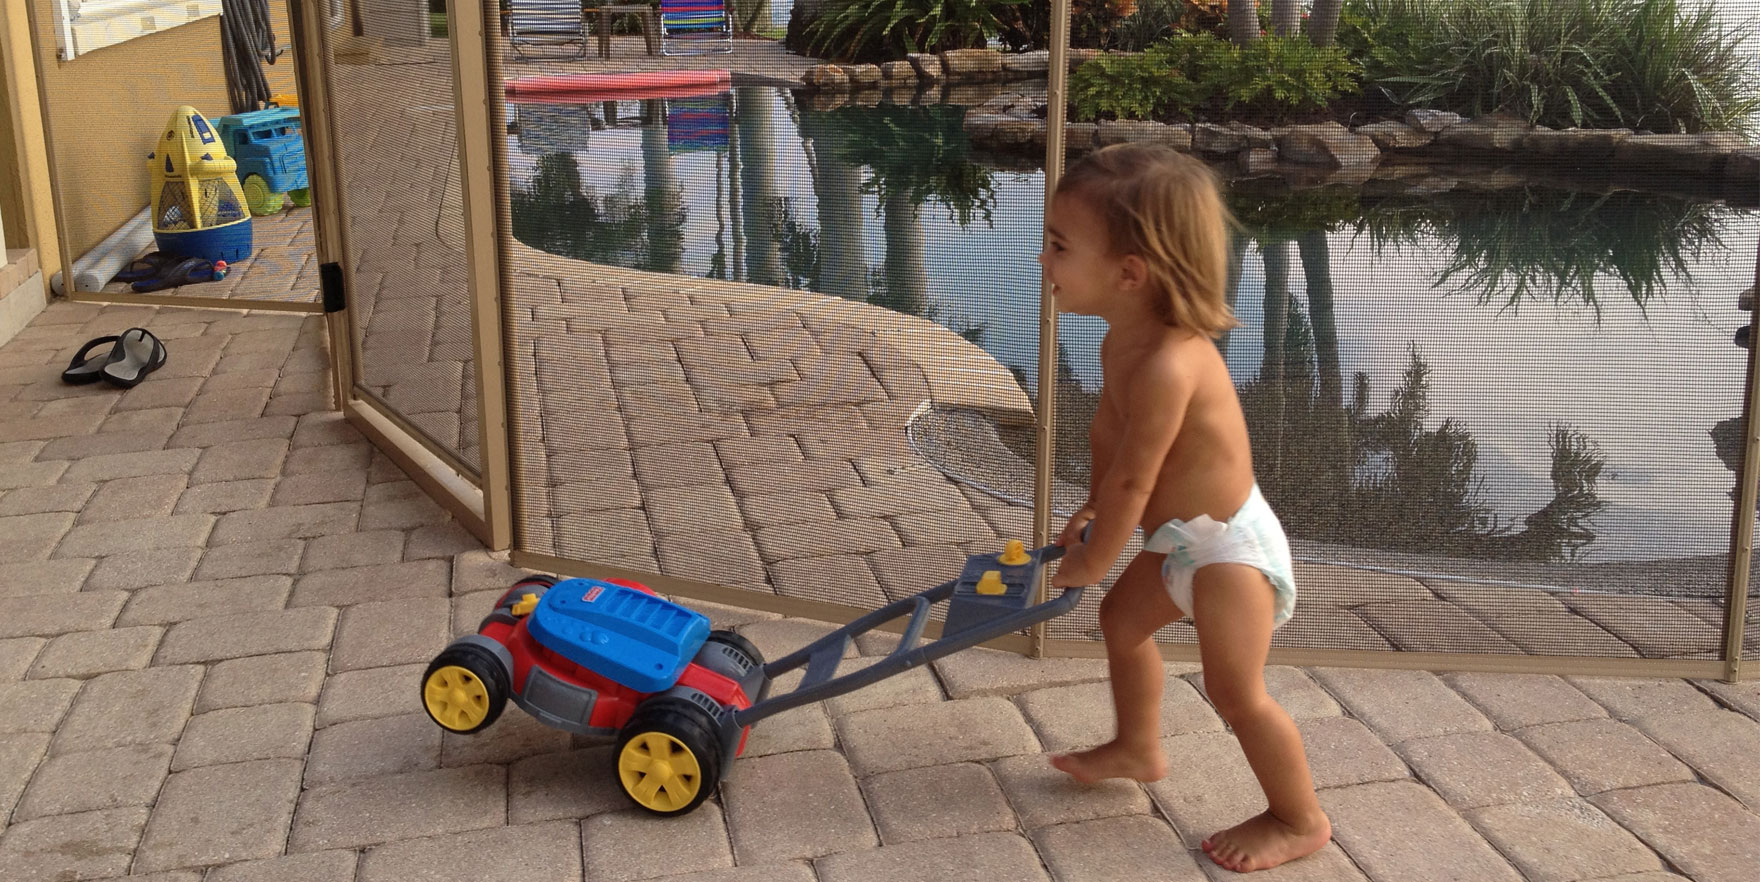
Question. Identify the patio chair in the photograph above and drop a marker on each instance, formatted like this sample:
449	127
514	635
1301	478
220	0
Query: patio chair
695	27
546	23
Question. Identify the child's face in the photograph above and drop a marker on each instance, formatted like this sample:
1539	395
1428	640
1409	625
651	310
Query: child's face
1077	257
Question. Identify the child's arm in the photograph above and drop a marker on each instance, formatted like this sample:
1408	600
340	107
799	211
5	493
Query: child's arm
1154	408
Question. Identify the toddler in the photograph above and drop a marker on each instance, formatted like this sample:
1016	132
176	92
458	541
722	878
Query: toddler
1138	235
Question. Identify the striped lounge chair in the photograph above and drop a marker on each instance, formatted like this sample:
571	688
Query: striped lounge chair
695	27
546	22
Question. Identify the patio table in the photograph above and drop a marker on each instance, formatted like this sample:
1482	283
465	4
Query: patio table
650	25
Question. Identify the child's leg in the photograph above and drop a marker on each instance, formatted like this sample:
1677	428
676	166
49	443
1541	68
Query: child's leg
1135	608
1234	621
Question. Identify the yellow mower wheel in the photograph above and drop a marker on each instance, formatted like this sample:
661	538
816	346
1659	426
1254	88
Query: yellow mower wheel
464	689
668	756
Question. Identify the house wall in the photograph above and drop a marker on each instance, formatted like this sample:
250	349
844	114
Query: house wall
25	195
104	110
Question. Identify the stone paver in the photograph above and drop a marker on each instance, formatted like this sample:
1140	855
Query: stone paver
1135	847
890	739
1400	830
366	749
1698	830
377	810
1342	751
231	735
374	692
515	737
1563	841
1477	769
95	780
86	611
1043	796
165	604
88	653
534	853
1229	793
1627	699
629	845
1400	705
1081	716
937	801
38	705
140	569
392	632
88	845
1513	701
981	856
221	814
794	806
130	707
1720	744
20	754
337	588
246	634
992	672
262	679
1601	755
324	866
574	784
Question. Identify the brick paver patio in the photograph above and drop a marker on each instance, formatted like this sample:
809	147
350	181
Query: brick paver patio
216	601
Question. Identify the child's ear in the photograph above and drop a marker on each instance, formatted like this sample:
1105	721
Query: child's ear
1133	272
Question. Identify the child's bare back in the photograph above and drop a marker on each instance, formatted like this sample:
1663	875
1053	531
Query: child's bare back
1209	468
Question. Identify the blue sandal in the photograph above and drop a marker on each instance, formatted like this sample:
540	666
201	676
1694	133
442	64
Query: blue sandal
186	271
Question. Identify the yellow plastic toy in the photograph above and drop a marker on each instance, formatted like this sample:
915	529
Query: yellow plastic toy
198	205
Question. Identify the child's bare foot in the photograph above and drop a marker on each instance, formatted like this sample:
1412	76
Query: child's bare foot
1264	841
1112	760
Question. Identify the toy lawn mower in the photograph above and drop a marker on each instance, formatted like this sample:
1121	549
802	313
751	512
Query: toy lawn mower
611	658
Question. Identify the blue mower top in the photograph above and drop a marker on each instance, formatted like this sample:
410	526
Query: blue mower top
630	636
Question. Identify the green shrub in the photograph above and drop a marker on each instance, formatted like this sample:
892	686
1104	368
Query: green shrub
1271	78
886	30
1645	64
1274	76
1096	24
1149	85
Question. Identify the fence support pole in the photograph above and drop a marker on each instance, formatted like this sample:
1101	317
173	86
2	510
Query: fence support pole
1741	542
1057	76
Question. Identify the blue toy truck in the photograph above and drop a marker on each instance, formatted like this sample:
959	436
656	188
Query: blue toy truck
611	658
271	157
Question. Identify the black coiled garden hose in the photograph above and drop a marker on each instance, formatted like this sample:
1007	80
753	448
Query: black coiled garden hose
247	40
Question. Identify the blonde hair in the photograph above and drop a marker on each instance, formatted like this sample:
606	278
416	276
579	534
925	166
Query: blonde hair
1166	208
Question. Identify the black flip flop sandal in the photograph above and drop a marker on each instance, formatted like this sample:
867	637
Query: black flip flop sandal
137	354
85	367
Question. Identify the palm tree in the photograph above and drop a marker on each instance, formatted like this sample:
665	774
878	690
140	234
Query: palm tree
1286	17
664	194
759	199
904	283
1278	311
1317	267
1323	22
1243	21
838	183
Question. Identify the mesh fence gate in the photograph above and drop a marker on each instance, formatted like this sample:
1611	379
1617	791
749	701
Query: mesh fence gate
787	340
773	329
